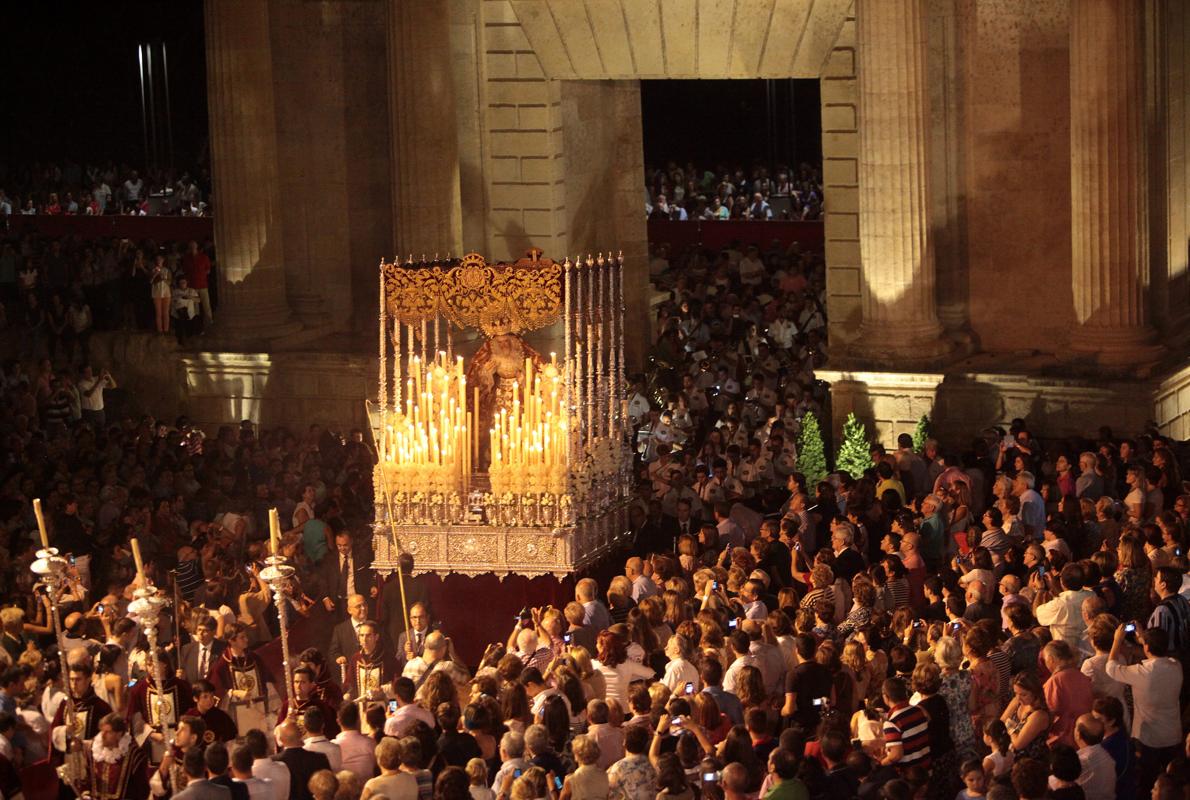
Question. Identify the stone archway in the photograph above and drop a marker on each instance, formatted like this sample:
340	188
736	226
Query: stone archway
559	101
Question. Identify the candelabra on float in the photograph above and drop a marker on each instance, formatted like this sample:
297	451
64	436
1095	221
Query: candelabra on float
508	440
278	575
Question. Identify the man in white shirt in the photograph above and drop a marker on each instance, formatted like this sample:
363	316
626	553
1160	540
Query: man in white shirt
91	389
730	534
1064	613
741	647
1098	777
512	751
358	751
642	584
316	742
1156	686
272	773
133	187
241	772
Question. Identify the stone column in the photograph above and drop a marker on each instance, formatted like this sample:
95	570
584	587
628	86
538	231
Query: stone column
1109	182
900	317
427	213
248	235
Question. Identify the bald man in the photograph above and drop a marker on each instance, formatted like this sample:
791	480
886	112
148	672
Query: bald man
75	637
637	571
345	636
302	763
1098	777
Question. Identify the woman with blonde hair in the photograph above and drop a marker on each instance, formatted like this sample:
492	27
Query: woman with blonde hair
592	680
749	687
706	714
1135	576
957	690
676	611
653	607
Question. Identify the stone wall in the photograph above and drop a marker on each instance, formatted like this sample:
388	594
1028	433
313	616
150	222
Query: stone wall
1171	405
839	94
1017	202
293	389
962	404
331	90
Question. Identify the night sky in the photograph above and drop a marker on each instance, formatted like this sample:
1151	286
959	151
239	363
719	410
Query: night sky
71	85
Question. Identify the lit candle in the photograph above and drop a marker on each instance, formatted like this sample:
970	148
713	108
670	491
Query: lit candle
45	539
274	531
140	563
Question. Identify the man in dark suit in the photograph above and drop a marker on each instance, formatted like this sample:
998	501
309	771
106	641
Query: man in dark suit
412	643
302	763
344	571
345	636
200	655
684	523
199	788
217	760
392	614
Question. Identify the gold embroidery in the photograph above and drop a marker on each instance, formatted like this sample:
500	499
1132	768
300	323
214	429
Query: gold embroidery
496	298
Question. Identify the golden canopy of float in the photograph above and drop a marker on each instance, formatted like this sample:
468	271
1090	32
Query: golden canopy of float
493	456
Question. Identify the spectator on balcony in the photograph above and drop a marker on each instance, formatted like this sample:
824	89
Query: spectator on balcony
197	267
759	209
161	290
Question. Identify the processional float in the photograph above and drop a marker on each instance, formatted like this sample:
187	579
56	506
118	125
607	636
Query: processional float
493	456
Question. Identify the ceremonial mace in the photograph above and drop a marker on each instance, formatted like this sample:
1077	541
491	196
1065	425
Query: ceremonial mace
51	568
147	606
277	575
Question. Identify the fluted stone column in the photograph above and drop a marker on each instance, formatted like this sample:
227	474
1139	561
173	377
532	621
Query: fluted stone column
427	213
900	317
248	234
1109	181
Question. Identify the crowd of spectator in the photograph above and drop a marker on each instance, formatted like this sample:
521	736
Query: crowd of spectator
729	192
98	189
55	291
1002	617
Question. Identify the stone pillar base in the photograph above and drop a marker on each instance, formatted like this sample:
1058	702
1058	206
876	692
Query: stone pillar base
245	326
1118	347
898	345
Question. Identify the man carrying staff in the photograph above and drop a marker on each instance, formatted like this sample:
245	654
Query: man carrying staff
151	710
88	710
241	680
305	696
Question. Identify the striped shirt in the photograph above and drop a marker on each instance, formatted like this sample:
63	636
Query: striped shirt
909	726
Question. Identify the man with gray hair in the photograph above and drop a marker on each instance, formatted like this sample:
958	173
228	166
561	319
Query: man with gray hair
541	752
848	563
512	752
1032	504
595	614
1089	483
